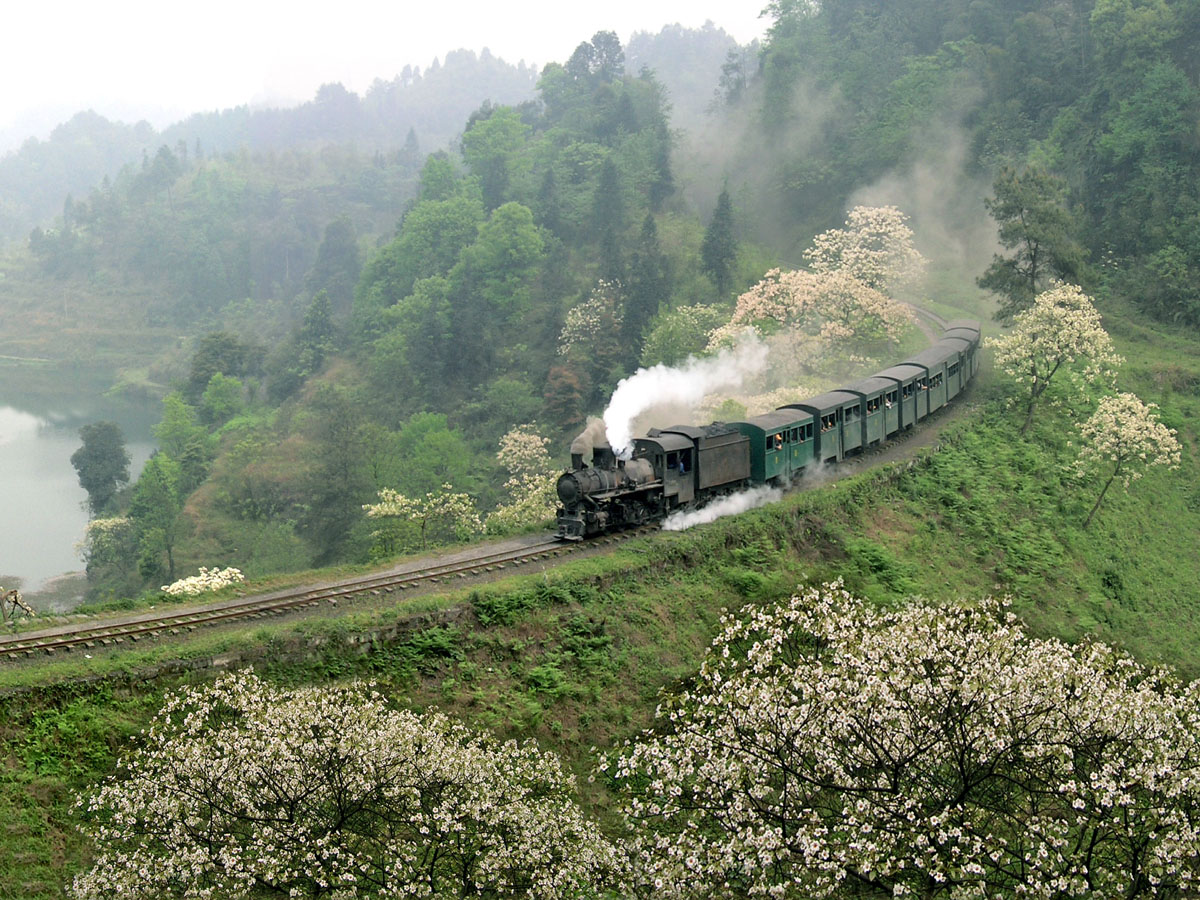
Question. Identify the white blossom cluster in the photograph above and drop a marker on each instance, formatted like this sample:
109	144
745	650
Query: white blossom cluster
97	528
453	509
208	580
829	748
876	247
103	538
531	481
1124	437
600	313
239	790
1061	332
818	311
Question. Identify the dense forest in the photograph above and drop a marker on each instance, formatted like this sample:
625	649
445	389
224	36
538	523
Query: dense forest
1101	96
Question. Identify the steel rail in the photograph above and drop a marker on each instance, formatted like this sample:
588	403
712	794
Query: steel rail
88	635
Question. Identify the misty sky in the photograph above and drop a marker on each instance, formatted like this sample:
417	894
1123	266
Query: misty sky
132	59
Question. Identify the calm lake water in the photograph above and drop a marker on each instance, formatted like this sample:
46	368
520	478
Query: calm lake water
43	510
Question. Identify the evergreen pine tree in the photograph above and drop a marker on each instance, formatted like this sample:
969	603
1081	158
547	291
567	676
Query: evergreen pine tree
649	285
718	252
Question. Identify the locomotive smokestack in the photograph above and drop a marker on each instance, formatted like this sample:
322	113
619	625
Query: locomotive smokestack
584	444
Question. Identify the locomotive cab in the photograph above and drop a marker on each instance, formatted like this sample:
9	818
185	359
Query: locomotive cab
673	460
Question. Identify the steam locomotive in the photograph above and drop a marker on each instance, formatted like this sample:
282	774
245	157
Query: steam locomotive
687	466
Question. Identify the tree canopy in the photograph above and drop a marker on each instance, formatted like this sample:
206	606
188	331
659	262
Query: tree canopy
1034	223
241	788
102	463
1059	336
829	749
1122	439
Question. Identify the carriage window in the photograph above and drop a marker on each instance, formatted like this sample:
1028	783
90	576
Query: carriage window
953	370
889	399
851	414
795	435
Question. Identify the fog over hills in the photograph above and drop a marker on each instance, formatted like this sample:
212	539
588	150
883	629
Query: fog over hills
419	108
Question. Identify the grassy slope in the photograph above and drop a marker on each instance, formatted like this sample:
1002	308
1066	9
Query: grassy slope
577	657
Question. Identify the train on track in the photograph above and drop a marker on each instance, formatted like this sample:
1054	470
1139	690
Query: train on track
687	466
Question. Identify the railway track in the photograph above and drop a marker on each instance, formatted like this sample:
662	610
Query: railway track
923	317
106	633
148	626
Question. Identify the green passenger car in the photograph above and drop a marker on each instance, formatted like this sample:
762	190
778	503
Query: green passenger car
781	444
878	396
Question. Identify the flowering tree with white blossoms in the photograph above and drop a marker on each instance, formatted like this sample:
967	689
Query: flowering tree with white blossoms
875	247
531	481
208	580
1060	333
595	319
1122	438
109	544
239	789
817	311
827	748
446	509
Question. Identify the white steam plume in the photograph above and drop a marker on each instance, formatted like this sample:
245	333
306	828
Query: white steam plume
726	506
675	386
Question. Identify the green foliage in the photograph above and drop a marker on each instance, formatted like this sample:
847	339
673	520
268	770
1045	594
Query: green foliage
649	286
429	241
304	354
154	509
224	353
588	644
1033	222
718	252
339	480
430	453
336	269
72	741
424	651
505	607
490	148
102	463
876	563
222	399
678	333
